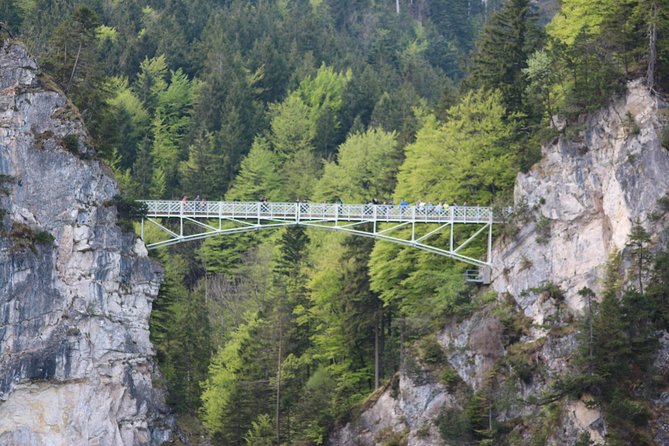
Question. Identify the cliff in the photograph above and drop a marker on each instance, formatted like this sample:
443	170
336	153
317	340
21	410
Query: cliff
76	363
573	209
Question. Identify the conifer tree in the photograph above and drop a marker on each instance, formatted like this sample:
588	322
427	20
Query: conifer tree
151	81
639	253
509	38
200	174
72	60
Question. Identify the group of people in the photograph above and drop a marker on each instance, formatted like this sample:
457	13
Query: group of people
421	207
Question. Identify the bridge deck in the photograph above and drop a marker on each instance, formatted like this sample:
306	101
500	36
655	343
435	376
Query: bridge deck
323	212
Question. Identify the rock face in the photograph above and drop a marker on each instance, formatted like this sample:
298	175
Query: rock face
76	363
578	205
404	411
587	194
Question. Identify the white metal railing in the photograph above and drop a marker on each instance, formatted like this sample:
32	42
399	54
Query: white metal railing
325	211
359	219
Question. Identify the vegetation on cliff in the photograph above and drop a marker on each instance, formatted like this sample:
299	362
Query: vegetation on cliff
277	337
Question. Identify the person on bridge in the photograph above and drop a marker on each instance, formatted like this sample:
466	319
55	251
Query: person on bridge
403	206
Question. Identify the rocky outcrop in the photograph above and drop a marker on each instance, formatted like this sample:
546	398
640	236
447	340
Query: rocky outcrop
574	208
583	198
404	411
76	363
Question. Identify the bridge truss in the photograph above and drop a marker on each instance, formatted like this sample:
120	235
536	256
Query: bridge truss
381	222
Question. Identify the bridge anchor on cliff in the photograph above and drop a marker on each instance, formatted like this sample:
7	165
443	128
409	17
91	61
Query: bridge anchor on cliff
392	223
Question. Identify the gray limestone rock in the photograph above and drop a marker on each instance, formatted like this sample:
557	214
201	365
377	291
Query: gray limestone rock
76	363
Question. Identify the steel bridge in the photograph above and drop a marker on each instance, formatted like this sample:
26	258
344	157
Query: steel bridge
378	221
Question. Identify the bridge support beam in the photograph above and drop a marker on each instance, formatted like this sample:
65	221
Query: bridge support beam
197	221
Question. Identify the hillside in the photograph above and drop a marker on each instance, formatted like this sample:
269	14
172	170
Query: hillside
289	336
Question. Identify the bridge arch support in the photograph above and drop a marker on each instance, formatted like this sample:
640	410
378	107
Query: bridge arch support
381	222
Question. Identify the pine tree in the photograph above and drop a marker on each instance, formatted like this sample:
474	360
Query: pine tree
72	60
259	176
509	38
151	81
639	253
200	174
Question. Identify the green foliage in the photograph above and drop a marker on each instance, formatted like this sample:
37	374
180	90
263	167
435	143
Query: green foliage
324	94
261	432
127	210
124	126
225	373
638	253
23	236
44	237
71	59
169	127
293	128
151	81
323	100
431	351
475	160
455	426
259	176
600	42
365	169
313	411
180	333
510	36
618	346
71	143
543	230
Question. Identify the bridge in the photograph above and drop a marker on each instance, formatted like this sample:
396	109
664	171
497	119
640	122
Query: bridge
378	221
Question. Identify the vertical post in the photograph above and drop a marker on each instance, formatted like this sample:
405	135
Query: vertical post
336	214
376	351
181	220
297	212
452	227
413	223
258	213
142	230
490	240
451	235
374	214
220	215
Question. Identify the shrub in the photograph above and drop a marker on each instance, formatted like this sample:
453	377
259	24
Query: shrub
450	377
525	263
543	230
454	426
4	180
127	210
41	138
664	139
23	236
631	127
71	143
431	350
550	289
44	237
423	432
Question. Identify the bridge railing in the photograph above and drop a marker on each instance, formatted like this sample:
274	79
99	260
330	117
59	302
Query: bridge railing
324	211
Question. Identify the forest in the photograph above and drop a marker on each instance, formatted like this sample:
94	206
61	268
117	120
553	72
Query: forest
278	337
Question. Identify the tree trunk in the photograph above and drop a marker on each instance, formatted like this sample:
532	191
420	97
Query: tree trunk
376	351
382	346
401	344
74	67
652	46
278	386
